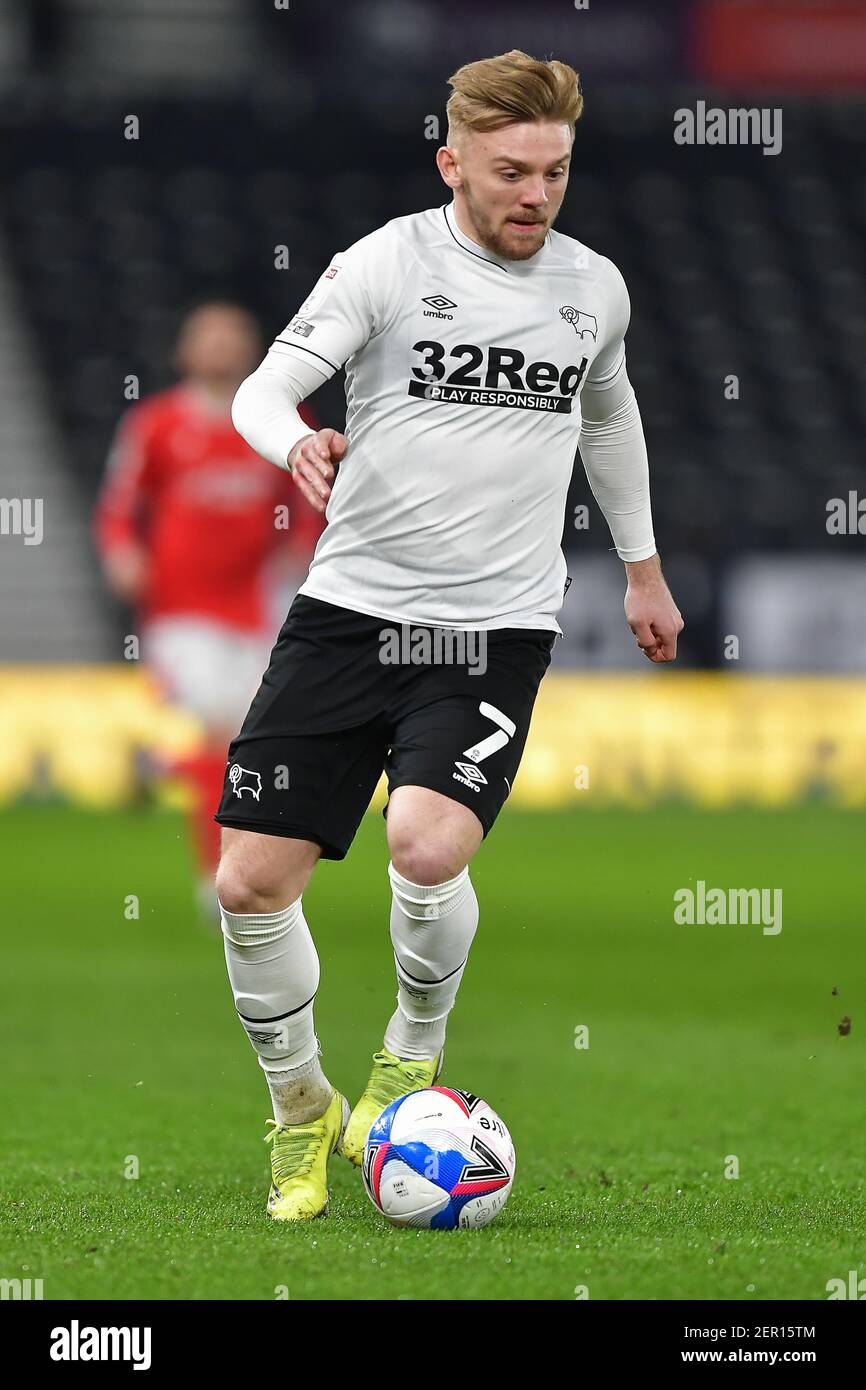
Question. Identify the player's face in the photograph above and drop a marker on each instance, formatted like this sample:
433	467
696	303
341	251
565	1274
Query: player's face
218	344
513	181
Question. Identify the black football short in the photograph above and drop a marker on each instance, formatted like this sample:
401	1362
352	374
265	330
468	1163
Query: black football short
346	696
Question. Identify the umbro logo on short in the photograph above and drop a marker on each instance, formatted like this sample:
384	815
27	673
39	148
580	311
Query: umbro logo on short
469	775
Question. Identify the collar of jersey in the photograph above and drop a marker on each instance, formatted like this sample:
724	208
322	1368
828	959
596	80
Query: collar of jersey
510	267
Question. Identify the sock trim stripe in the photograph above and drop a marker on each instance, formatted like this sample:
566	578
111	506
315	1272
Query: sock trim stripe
416	981
276	1017
419	893
245	929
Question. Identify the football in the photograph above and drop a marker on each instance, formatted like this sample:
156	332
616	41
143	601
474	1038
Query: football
439	1158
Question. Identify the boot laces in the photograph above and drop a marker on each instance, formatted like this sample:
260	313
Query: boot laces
295	1148
392	1079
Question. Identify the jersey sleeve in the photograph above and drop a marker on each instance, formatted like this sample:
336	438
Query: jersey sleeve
611	356
349	303
612	444
265	408
129	484
305	524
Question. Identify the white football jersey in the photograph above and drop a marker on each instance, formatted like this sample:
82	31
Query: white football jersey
463	380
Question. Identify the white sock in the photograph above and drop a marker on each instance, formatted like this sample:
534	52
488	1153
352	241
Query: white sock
299	1093
274	973
431	931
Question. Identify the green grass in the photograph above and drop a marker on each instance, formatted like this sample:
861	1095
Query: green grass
119	1039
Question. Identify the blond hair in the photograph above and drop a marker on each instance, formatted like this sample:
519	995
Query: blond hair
496	92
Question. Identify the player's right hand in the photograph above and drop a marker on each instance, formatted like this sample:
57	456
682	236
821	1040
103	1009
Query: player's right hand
127	571
310	464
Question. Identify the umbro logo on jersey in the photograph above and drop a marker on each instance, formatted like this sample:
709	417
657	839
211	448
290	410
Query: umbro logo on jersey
470	776
581	323
438	304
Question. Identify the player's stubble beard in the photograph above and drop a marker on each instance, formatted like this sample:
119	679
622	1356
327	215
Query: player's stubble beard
500	243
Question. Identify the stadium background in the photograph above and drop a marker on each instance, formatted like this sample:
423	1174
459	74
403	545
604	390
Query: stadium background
306	126
738	263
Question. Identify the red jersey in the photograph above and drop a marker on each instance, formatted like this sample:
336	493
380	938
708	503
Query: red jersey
182	482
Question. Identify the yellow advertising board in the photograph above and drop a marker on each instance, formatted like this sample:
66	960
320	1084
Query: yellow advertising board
714	739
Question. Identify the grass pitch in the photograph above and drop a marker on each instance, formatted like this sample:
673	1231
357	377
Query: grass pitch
121	1049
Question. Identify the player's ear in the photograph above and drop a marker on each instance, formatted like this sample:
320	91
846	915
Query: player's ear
447	162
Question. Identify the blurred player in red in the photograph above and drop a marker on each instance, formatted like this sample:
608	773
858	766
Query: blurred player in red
196	531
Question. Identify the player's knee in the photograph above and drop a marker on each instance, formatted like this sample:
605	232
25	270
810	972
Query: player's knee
426	861
244	884
236	890
259	875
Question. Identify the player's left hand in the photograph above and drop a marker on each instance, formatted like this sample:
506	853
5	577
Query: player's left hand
650	610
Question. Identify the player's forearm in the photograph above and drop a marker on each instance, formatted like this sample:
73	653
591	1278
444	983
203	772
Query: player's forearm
114	526
265	407
614	454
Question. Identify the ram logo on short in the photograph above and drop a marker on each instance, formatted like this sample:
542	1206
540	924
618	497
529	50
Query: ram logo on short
243	780
581	323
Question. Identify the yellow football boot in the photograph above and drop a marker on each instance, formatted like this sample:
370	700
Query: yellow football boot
299	1163
390	1078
